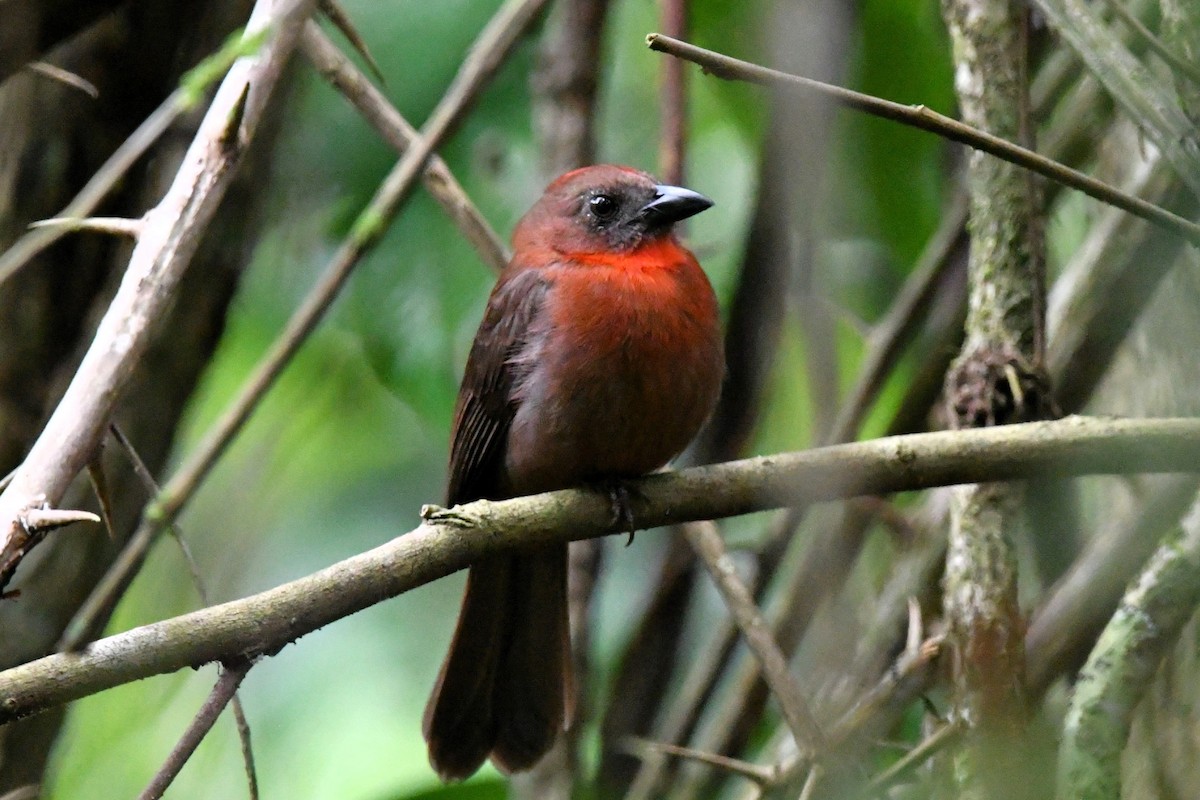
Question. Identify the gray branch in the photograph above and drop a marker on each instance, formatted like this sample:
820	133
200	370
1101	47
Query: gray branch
449	540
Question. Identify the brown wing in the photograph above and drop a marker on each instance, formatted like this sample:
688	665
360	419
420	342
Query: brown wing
484	410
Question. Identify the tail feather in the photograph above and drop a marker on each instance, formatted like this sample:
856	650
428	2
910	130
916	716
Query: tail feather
505	689
534	691
460	719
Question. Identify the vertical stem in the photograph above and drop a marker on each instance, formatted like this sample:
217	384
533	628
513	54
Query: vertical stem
673	141
997	379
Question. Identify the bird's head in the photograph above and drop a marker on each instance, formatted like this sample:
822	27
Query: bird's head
605	209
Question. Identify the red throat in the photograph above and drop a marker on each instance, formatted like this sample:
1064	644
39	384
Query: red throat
654	254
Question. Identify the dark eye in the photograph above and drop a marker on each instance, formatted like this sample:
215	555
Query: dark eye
603	207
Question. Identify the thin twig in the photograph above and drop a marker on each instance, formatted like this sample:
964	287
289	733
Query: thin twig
489	51
186	97
1154	43
118	226
450	539
65	77
926	119
672	143
172	235
755	772
86	626
914	758
707	542
227	683
341	21
378	111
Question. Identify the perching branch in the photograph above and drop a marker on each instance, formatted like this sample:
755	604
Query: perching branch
172	234
926	119
449	540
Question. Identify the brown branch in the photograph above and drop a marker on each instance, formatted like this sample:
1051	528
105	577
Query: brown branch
914	758
491	48
226	687
451	539
672	141
926	119
172	234
759	774
378	111
757	633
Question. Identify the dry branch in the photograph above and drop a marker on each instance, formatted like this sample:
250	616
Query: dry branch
451	539
926	119
172	234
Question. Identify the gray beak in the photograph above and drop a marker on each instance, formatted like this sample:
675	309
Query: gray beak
673	203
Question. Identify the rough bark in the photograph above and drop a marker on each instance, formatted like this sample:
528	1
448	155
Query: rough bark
997	379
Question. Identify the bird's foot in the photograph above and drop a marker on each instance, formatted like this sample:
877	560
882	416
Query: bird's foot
621	496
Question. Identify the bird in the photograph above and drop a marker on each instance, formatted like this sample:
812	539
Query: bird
598	359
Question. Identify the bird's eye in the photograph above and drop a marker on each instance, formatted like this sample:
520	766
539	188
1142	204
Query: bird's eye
603	207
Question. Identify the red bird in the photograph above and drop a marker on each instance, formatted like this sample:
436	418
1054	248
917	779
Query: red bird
598	359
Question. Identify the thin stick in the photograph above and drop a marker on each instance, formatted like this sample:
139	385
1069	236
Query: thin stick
926	119
65	77
69	645
672	143
378	111
759	774
490	50
227	684
707	542
914	758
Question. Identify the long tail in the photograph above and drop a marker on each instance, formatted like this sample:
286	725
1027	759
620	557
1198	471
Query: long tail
505	687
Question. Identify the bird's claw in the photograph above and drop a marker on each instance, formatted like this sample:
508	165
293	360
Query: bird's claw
621	497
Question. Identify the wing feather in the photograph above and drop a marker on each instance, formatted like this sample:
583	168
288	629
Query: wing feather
485	407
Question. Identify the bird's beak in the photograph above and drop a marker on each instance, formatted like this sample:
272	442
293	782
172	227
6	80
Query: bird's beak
673	203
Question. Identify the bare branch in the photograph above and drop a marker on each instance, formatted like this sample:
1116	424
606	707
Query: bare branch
926	119
65	77
172	234
206	717
644	748
451	539
118	226
711	550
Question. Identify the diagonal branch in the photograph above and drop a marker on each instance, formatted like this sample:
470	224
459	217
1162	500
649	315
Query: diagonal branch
171	236
451	539
708	545
926	119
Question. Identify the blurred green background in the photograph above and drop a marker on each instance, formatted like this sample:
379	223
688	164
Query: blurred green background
353	440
